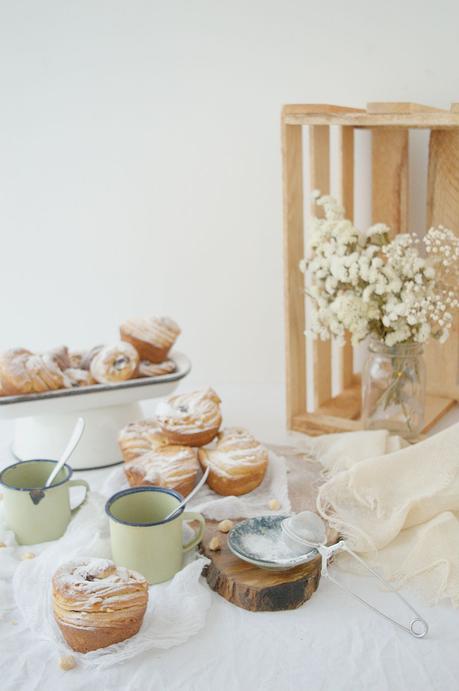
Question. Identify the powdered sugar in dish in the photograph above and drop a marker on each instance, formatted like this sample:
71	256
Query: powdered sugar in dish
260	540
267	547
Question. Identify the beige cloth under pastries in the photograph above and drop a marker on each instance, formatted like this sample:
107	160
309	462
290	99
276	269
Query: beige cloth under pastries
397	505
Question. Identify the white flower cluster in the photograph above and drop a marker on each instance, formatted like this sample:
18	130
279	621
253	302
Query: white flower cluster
365	284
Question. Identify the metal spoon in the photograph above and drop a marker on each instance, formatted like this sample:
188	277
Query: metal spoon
69	449
191	494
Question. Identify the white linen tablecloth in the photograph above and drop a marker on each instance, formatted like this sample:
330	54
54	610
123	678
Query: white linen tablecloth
331	643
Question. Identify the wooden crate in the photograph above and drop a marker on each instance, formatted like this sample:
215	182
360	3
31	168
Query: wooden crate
390	124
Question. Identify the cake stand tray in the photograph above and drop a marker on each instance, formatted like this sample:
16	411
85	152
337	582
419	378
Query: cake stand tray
44	421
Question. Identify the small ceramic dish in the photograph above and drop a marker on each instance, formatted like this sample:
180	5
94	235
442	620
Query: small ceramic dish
259	541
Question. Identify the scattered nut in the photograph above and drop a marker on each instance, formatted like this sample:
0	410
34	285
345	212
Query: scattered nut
214	544
28	555
2	544
67	662
274	505
225	526
13	621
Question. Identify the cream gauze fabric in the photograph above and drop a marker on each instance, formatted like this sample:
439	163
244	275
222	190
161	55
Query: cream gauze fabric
398	507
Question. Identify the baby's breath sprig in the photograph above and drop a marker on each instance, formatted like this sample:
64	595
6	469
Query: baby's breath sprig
365	283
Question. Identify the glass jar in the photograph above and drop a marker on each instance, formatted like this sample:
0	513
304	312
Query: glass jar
393	388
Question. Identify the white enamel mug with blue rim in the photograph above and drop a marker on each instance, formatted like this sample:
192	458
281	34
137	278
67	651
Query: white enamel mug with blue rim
142	539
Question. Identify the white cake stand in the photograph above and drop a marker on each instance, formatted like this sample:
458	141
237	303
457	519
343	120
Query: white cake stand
43	422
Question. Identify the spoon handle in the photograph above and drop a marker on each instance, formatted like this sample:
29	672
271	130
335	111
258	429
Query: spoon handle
191	494
73	441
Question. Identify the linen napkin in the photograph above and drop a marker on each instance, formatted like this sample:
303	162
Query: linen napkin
216	507
398	507
176	610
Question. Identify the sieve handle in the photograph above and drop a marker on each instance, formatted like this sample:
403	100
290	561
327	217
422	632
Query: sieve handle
418	627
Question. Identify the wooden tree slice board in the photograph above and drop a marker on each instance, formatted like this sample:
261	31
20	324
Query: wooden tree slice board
260	590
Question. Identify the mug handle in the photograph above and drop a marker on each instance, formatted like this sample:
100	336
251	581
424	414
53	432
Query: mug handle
79	483
192	516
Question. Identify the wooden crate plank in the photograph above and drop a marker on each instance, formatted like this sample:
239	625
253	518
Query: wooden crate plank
313	424
401	107
319	160
413	120
346	169
346	195
321	108
346	404
436	407
346	364
389	172
443	209
295	342
443	179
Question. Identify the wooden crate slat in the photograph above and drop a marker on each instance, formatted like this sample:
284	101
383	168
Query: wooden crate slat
346	404
320	108
443	209
389	172
435	408
436	119
443	179
319	160
346	194
401	107
313	424
294	281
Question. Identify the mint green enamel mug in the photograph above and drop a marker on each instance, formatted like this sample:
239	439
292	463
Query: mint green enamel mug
140	537
34	513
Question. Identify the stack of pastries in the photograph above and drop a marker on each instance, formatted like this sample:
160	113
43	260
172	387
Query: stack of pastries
142	352
184	436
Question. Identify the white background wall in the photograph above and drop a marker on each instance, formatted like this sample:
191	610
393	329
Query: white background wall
140	157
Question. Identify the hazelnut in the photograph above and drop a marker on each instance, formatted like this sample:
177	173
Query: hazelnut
274	504
67	662
214	544
225	526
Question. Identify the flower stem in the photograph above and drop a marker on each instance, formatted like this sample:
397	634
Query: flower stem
393	391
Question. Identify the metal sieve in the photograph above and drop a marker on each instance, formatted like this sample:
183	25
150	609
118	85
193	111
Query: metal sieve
309	530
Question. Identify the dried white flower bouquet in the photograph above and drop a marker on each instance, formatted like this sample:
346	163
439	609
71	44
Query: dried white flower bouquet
365	284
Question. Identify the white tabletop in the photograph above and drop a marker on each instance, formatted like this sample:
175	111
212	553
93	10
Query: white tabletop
330	643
